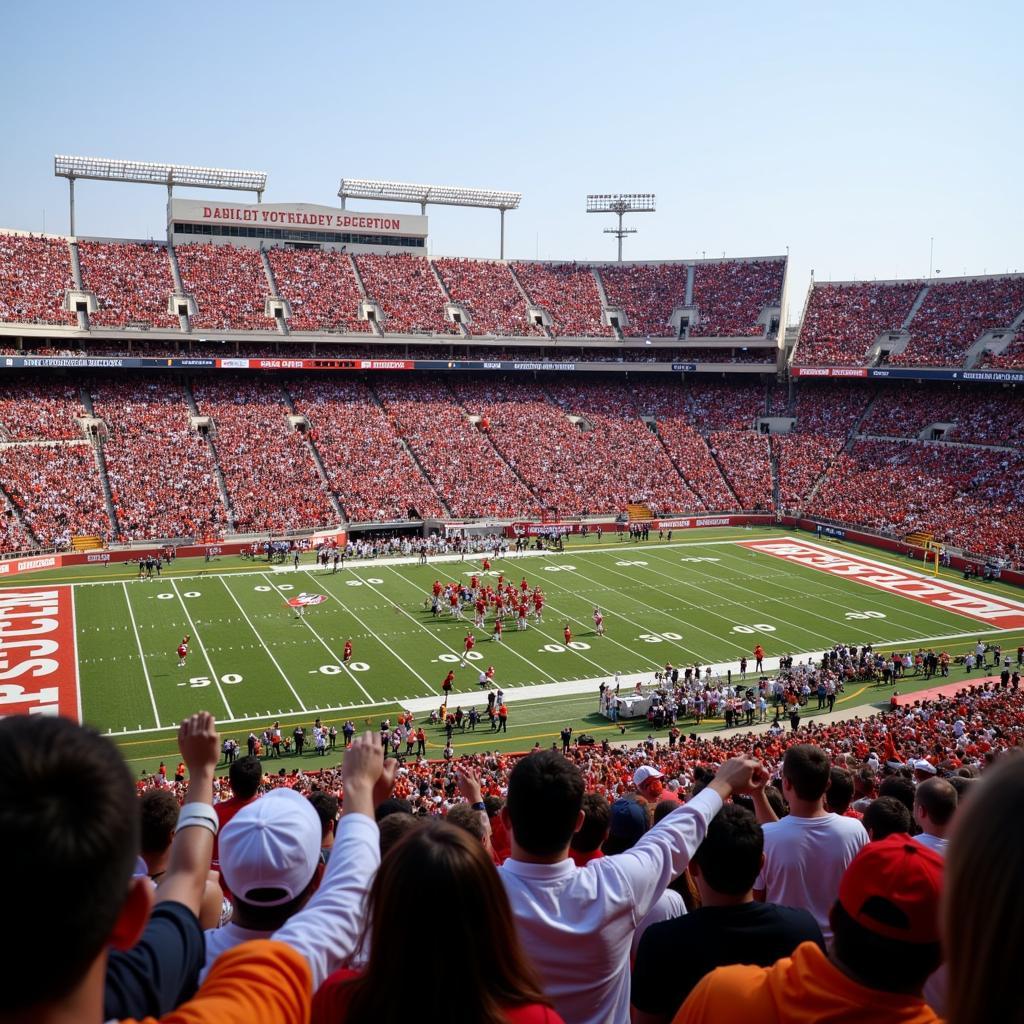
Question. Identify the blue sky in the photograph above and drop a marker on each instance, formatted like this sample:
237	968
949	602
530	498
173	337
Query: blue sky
849	133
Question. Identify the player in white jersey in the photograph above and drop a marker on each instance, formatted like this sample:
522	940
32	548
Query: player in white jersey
598	622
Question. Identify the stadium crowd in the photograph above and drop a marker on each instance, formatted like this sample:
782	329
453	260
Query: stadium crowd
35	272
489	294
848	870
568	292
132	282
647	293
731	295
407	292
321	289
229	285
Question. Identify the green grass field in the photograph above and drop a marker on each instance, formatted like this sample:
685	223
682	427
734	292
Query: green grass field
702	598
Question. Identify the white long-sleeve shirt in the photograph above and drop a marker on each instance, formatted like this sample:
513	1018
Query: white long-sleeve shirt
577	924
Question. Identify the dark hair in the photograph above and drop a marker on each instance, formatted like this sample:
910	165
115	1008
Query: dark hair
878	962
430	865
245	775
730	856
807	769
69	818
886	816
261	918
394	827
545	793
158	818
326	807
840	790
777	801
662	809
393	805
938	799
964	786
900	787
597	815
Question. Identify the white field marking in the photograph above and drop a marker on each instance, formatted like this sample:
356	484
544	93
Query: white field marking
199	640
505	646
142	658
746	608
78	674
371	632
540	691
687	626
899	612
287	681
326	646
829	637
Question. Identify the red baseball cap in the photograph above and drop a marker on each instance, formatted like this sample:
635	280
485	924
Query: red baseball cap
892	888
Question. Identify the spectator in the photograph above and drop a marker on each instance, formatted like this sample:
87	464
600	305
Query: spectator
269	856
807	852
885	923
886	816
983	911
159	813
839	795
445	874
245	775
326	807
729	927
935	802
587	840
578	922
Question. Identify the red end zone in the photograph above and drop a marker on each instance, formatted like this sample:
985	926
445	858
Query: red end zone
38	658
1001	612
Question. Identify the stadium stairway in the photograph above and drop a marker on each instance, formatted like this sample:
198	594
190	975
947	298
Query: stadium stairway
526	298
218	473
76	274
921	296
268	270
463	329
856	428
725	479
317	460
639	512
408	448
101	464
773	462
179	287
378	331
604	299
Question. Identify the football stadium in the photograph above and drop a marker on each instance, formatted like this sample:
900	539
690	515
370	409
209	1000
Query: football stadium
649	625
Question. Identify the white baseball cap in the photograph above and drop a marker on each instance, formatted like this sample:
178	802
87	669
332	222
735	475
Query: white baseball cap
270	849
645	772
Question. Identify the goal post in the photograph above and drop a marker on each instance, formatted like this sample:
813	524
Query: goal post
932	555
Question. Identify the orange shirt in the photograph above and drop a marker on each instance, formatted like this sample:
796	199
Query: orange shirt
262	982
806	988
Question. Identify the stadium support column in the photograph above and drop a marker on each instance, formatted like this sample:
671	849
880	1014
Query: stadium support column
501	251
71	205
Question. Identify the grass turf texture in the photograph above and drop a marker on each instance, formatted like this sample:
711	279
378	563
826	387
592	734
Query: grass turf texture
701	598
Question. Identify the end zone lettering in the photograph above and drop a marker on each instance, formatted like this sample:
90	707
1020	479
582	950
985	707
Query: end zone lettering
38	668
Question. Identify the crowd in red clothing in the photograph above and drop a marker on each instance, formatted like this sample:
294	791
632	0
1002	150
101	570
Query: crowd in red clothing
320	287
647	293
229	285
955	314
842	321
745	458
271	479
43	412
407	292
731	295
489	295
132	282
367	465
568	293
801	460
35	272
1011	357
161	471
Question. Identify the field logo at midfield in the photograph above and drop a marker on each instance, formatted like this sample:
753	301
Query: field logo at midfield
993	610
38	663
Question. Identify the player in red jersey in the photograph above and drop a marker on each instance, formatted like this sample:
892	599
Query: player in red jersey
521	617
487	565
538	606
346	655
498	627
568	635
437	588
448	681
598	622
524	586
182	652
469	642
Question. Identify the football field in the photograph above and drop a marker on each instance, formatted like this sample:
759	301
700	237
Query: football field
705	598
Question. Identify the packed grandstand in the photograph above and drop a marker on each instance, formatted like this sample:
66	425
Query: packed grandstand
192	392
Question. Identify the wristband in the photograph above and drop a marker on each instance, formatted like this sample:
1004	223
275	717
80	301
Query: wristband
479	806
199	814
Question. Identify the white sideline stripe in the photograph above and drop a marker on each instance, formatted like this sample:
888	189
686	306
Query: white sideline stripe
78	672
142	658
540	691
287	681
199	640
326	646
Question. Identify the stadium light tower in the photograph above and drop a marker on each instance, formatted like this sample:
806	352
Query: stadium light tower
440	195
621	203
144	173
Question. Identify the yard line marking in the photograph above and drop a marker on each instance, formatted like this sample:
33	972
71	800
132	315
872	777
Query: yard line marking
326	646
199	640
142	657
469	624
287	681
